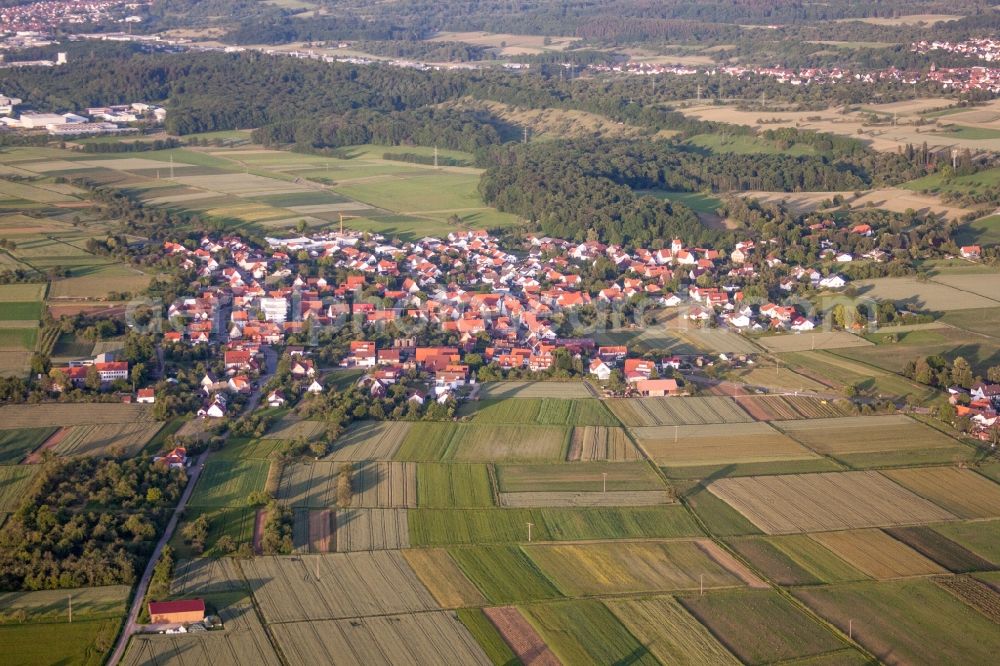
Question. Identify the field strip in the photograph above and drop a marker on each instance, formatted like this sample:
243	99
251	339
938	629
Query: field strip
728	561
521	637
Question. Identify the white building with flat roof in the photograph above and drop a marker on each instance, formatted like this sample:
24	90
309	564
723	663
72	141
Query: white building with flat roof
41	120
274	309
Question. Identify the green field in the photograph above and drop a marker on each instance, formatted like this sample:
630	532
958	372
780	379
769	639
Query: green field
237	522
586	632
68	644
580	477
969	133
475	442
981	537
699	202
795	560
89	603
720	518
229	483
984	231
453	485
542	411
14	482
504	574
747	144
486	635
21	311
16	444
18	338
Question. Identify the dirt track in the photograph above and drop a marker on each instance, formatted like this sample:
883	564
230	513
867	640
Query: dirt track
52	442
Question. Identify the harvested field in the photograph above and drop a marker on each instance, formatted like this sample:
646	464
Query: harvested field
760	626
669	632
22	292
244	641
370	441
543	411
208	577
645	412
371	529
796	342
931	295
14	482
72	414
111	439
418	638
878	554
295	428
984	598
826	501
16	444
723	444
566	390
590	443
440	574
504	574
447	485
635	567
374	485
586	632
795	559
521	637
907	622
586	499
961	491
933	545
349	585
981	537
786	407
474	442
868	434
577	478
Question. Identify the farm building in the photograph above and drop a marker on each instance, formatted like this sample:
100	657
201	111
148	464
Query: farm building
657	387
177	612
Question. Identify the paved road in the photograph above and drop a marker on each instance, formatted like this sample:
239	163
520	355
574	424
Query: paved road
270	364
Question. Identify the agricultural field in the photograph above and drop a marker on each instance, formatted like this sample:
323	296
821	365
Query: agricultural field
359	530
229	482
294	428
982	596
541	411
218	580
14	482
719	444
72	414
503	574
760	626
934	295
451	485
16	444
644	412
985	321
378	440
476	442
864	441
348	585
795	559
911	621
586	632
98	440
78	643
418	638
935	546
878	554
776	379
786	407
374	485
89	603
440	574
720	518
797	342
827	501
510	636
635	567
669	632
981	537
599	443
960	491
577	478
839	371
564	390
237	522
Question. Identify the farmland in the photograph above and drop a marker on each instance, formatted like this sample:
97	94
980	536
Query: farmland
504	574
441	575
828	501
795	559
644	412
372	529
596	443
369	441
511	636
79	643
935	546
785	407
586	632
877	554
72	414
912	621
14	481
229	483
981	537
543	411
453	485
564	390
95	440
960	491
89	603
935	295
722	444
235	522
476	442
16	444
374	485
577	478
809	341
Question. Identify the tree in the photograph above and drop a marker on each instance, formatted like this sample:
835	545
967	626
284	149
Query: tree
961	372
226	544
344	486
616	381
93	379
40	364
993	374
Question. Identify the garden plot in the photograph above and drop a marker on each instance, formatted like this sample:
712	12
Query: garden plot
348	585
619	568
441	575
419	638
961	491
369	441
374	485
796	342
372	529
72	414
599	443
878	554
644	412
97	440
826	501
693	445
568	390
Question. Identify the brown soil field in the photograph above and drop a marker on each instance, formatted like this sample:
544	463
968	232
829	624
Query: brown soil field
35	456
372	529
976	593
591	443
522	638
322	532
727	560
258	531
878	554
439	573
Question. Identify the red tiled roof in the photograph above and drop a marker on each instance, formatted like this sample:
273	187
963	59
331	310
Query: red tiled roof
181	606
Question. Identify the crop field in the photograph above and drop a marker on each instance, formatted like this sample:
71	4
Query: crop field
372	529
619	568
14	363
878	554
760	626
89	603
564	390
22	292
797	342
440	574
244	641
981	537
687	445
983	597
370	441
795	559
97	440
450	485
586	632
475	442
960	491
374	485
418	638
218	579
935	546
508	625
788	407
77	643
599	443
577	478
826	501
644	412
72	414
839	371
14	481
721	519
983	321
669	632
348	585
18	339
504	574
934	295
16	444
543	411
911	621
586	498
229	482
236	522
25	311
777	378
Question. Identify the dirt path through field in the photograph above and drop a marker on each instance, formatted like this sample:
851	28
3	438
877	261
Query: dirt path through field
35	456
726	560
521	636
321	539
258	531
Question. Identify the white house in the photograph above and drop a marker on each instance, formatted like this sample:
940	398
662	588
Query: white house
832	282
315	387
275	398
600	369
146	396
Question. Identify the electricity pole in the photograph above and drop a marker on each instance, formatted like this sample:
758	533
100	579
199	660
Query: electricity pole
605	477
529	532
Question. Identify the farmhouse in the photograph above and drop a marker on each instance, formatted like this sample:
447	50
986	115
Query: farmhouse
177	612
657	387
146	396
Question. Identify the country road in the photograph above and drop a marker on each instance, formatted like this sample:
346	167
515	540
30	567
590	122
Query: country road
270	364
